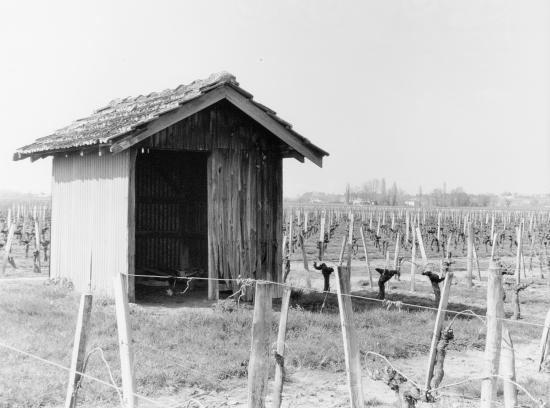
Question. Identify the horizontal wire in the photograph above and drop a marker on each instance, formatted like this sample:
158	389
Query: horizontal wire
62	367
248	280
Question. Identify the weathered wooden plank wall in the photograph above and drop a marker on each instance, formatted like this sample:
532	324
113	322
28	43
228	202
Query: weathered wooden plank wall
222	126
245	214
244	188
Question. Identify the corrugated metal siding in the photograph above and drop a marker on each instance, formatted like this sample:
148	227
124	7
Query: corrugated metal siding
90	214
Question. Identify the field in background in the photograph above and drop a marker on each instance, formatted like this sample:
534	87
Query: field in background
185	352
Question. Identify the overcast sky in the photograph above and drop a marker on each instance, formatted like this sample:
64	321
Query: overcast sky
419	92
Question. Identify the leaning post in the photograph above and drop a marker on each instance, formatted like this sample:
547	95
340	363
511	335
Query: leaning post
7	247
351	347
304	257
439	320
543	363
470	254
413	263
124	342
280	352
366	254
508	370
79	348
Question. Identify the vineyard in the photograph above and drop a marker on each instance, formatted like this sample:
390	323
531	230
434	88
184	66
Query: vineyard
381	307
25	237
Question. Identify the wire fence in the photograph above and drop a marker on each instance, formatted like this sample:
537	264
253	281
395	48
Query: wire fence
167	357
244	283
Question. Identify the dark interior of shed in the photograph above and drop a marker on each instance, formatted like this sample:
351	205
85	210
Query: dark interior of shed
171	222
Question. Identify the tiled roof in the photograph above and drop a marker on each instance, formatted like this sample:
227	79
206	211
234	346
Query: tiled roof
121	116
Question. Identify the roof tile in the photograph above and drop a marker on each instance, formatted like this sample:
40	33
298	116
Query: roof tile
121	116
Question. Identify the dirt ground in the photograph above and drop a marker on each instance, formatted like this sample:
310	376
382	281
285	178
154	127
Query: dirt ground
316	388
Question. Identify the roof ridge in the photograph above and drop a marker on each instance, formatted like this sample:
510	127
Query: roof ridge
123	115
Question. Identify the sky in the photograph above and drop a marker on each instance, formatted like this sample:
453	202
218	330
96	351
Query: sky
420	92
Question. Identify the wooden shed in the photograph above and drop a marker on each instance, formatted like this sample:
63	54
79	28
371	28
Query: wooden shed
184	179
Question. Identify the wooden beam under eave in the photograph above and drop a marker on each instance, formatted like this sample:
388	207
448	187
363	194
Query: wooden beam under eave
293	155
36	157
187	109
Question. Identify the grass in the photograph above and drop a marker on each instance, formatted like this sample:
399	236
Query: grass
177	348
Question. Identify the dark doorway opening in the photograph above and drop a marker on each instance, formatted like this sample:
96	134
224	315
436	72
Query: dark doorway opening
171	223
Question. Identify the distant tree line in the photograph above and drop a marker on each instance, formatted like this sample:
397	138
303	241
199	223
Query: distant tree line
376	192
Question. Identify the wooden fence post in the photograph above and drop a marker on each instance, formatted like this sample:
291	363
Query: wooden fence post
543	363
366	253
544	341
350	230
421	245
351	348
36	255
79	348
518	255
439	320
493	247
470	254
322	238
7	247
508	370
495	312
280	353
476	259
124	342
342	249
258	366
407	227
304	256
413	263
396	253
290	232
448	247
